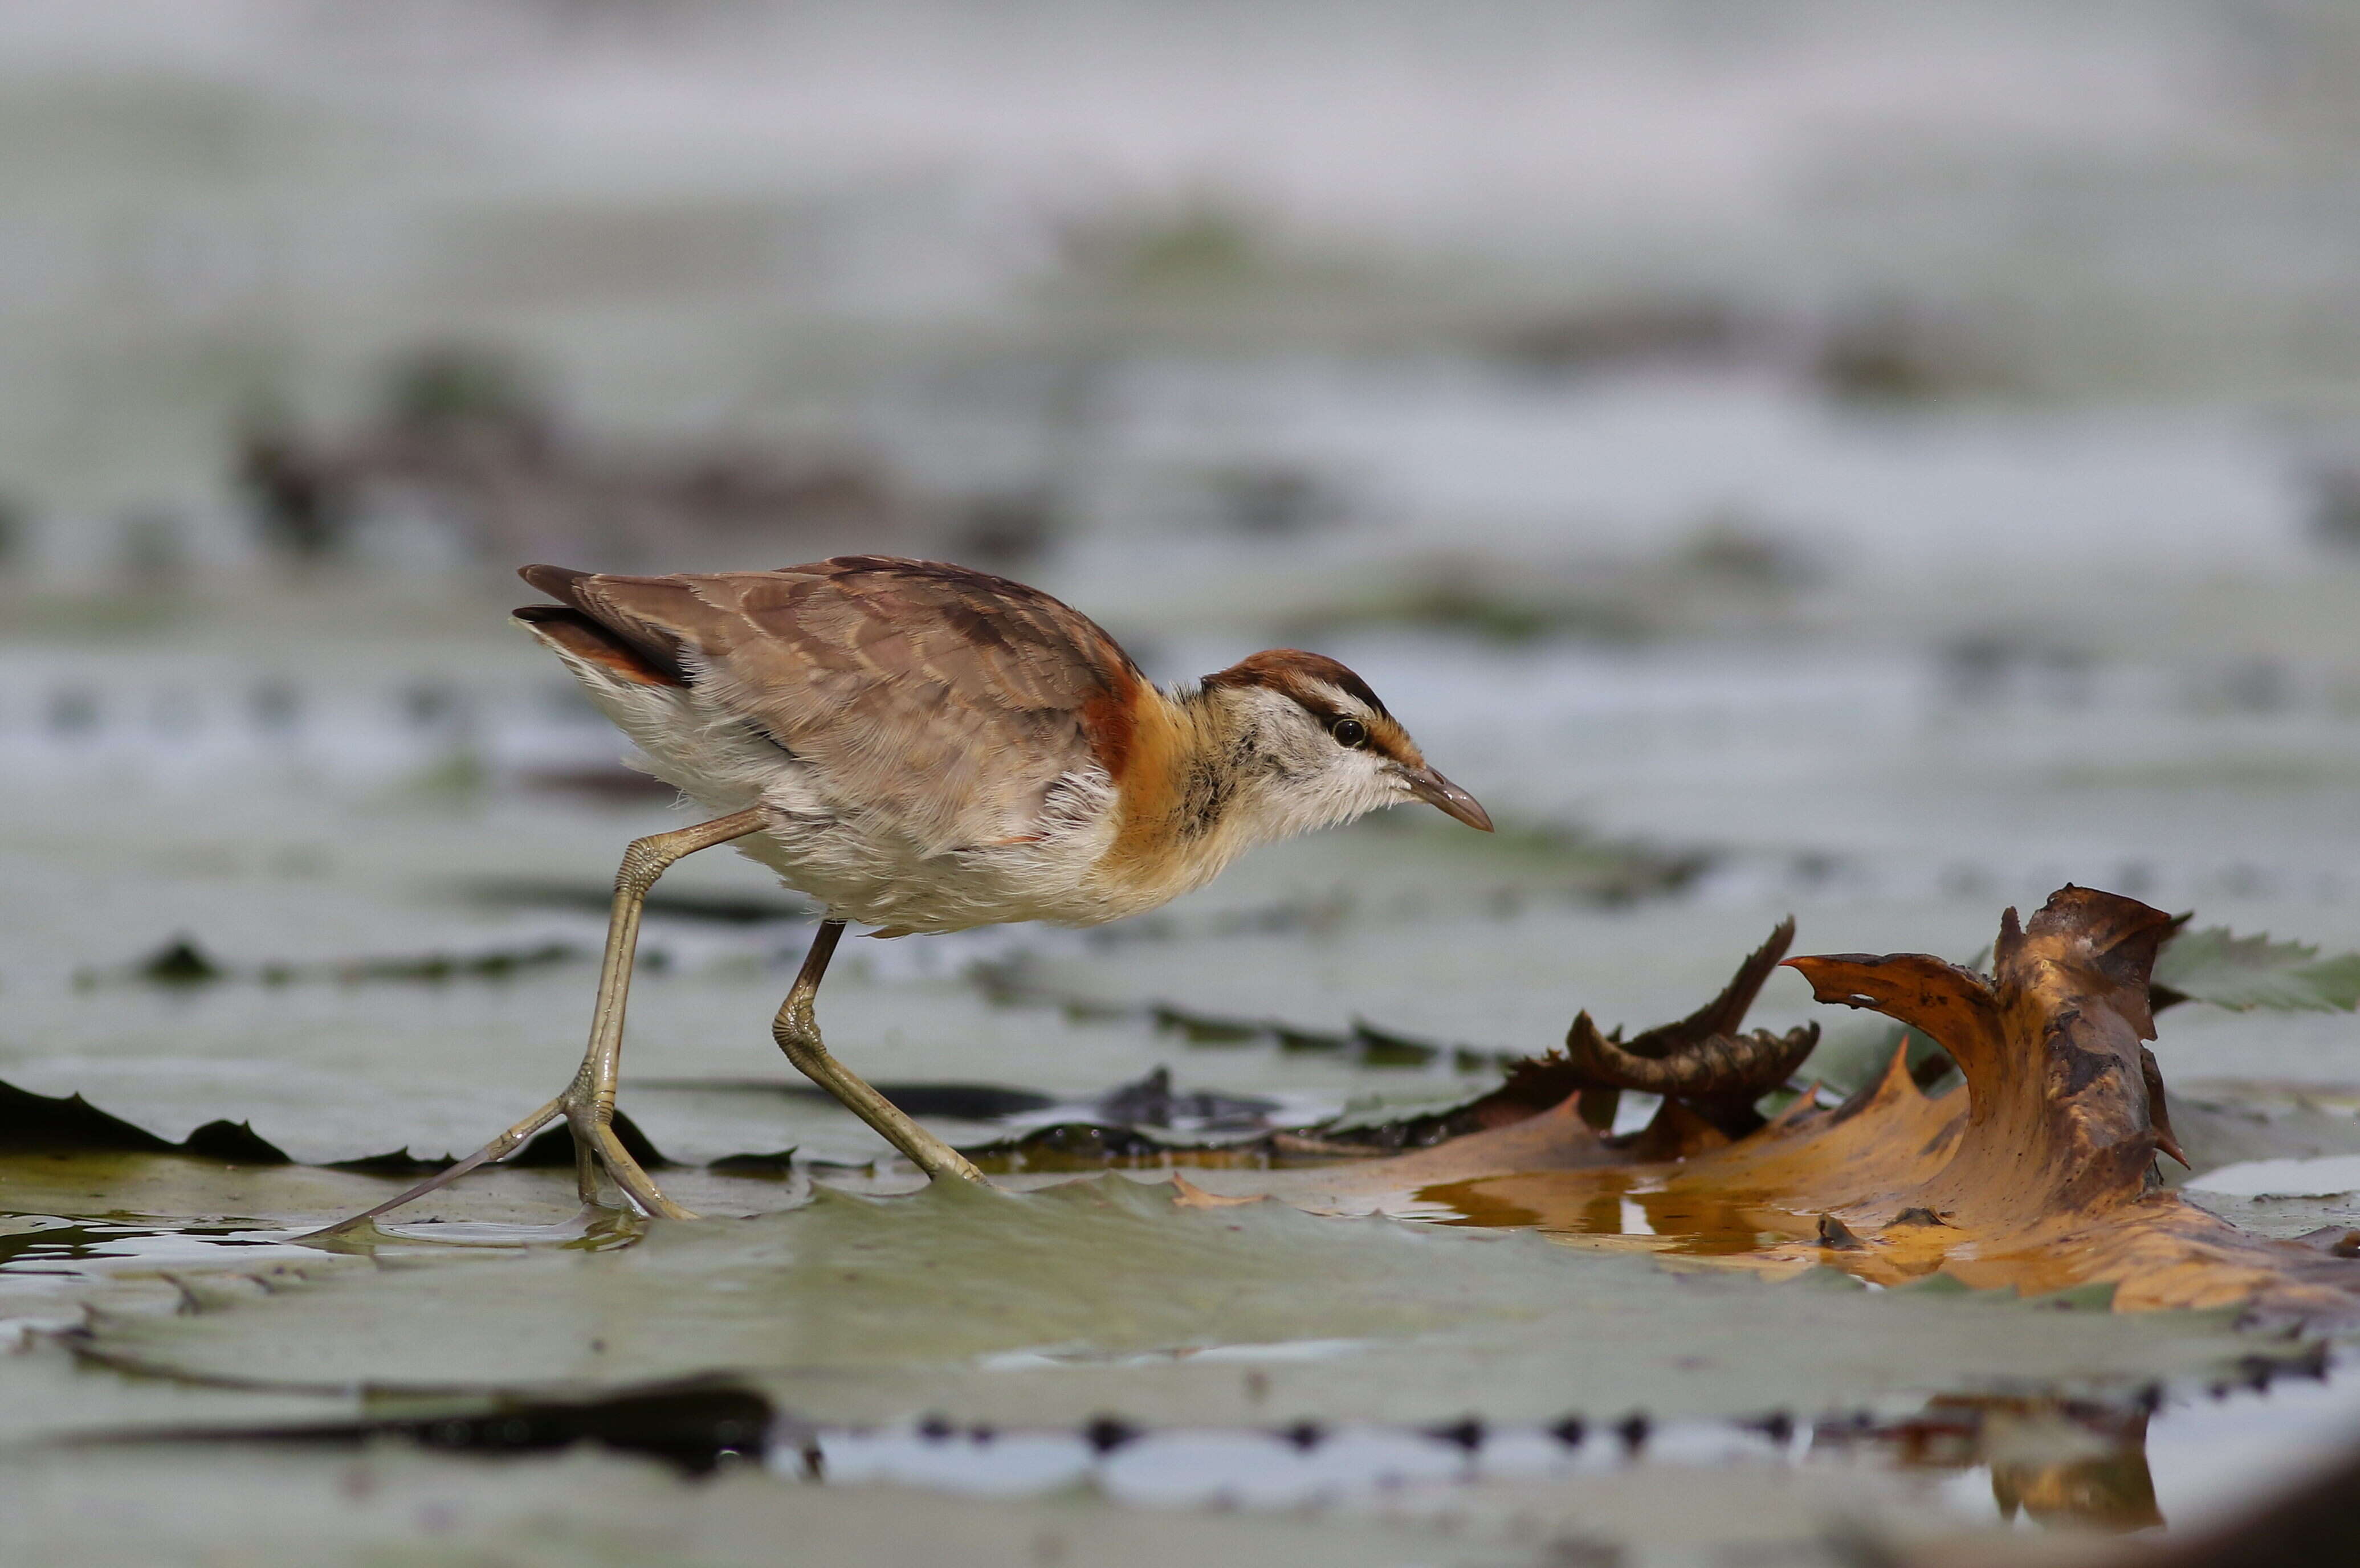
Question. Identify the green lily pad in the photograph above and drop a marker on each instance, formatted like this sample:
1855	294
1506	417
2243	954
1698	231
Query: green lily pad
2242	973
45	1393
1108	1295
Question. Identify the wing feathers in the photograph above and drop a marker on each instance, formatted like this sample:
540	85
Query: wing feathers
951	700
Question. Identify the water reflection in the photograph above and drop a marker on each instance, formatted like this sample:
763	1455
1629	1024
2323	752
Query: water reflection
2056	1461
1616	1209
55	1244
70	1247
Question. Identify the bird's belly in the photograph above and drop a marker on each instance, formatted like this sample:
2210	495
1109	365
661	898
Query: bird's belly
866	865
873	876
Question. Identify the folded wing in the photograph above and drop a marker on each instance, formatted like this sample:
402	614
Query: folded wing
951	700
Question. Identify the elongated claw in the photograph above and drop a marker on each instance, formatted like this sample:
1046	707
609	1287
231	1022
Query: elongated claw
598	1147
635	1184
500	1148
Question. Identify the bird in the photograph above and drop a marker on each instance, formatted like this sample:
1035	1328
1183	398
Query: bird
923	747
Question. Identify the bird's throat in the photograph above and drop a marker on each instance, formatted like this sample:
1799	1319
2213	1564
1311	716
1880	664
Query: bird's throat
1177	790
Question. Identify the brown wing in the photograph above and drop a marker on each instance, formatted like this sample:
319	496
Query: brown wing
947	700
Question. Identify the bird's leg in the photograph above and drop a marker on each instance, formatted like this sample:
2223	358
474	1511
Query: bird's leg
797	1031
590	1099
589	1103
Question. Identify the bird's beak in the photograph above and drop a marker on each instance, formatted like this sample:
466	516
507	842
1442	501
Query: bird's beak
1440	793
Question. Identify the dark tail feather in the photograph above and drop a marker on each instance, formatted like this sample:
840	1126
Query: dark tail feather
564	627
557	581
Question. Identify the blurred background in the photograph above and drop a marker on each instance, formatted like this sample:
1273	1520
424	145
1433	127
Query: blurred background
1880	463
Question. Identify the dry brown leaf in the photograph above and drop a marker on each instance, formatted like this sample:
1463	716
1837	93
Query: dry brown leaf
2035	1174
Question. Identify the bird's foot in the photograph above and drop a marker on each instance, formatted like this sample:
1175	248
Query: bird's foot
798	1036
596	1149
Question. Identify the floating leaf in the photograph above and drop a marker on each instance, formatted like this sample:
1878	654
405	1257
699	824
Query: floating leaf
2242	973
1107	1296
70	1123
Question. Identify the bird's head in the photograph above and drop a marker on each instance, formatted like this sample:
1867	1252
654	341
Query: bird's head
1310	744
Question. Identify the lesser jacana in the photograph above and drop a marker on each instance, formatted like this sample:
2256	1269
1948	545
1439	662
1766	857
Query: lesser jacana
922	747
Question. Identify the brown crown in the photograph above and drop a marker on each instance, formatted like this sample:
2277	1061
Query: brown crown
1308	679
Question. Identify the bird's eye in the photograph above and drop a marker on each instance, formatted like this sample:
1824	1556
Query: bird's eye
1349	732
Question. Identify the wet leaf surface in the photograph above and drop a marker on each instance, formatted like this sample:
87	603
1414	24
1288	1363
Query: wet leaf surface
1106	1295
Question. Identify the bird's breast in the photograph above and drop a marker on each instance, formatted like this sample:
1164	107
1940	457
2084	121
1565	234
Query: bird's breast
1177	817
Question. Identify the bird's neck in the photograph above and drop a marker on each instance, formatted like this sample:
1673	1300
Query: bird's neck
1214	763
1197	791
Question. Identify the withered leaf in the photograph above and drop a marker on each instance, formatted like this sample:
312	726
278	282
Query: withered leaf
2039	1168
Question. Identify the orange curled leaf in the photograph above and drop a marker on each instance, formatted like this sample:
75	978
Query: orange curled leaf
2036	1172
